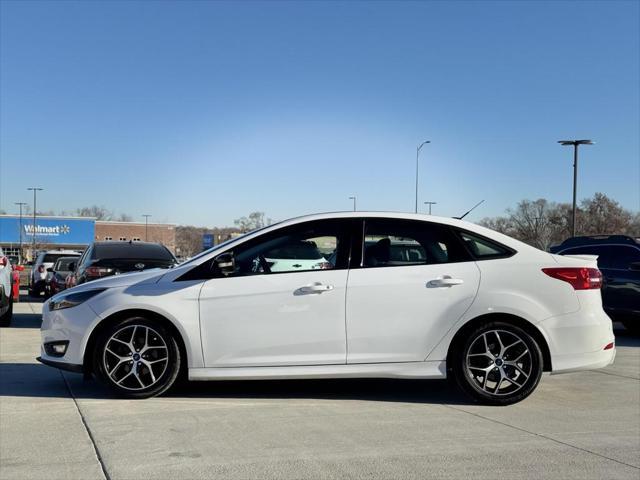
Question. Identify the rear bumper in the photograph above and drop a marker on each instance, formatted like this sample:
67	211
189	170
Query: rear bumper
577	340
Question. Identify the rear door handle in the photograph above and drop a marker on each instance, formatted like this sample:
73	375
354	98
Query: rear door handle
315	288
444	281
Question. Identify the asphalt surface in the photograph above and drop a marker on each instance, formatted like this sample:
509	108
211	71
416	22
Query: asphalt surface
55	425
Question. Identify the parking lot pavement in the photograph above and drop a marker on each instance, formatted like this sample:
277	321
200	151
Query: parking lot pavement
54	425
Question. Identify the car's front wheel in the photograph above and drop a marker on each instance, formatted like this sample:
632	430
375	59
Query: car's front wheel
137	358
498	364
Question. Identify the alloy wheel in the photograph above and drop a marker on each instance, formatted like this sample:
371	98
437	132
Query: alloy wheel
135	357
498	362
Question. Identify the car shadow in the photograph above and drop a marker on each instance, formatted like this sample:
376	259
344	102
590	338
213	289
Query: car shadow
40	381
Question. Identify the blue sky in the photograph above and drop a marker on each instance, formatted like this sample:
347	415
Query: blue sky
201	112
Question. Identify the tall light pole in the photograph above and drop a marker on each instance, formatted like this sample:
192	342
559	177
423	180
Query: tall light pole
146	227
417	156
21	204
430	203
354	198
575	144
33	234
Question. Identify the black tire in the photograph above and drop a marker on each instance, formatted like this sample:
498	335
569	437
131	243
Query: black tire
633	327
152	378
518	367
5	320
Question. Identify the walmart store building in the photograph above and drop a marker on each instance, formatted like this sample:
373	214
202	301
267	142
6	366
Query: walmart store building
74	233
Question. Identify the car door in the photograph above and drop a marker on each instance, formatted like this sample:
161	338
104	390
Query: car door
414	281
294	315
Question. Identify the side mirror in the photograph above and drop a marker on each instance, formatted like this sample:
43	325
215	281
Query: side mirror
50	269
226	263
634	266
72	266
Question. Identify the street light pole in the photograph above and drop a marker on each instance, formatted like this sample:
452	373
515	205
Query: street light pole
21	204
575	144
33	234
146	227
354	202
430	203
417	157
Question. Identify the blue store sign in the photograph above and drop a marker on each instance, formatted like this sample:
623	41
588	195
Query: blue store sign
48	230
207	241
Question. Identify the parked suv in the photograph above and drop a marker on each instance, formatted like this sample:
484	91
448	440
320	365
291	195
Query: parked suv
102	259
619	262
45	260
6	297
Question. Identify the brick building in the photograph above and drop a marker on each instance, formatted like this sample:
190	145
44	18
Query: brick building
153	232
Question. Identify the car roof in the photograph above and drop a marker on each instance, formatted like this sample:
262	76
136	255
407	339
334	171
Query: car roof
586	240
454	222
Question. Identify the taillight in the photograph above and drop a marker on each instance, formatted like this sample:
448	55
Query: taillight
98	271
3	262
580	278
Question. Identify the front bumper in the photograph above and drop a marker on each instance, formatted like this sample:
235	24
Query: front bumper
71	324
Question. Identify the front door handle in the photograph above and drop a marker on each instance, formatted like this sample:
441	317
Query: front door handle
444	281
315	288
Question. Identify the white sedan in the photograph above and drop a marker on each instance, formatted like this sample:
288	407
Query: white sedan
397	295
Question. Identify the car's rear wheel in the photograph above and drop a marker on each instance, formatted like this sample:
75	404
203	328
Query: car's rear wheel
137	358
498	364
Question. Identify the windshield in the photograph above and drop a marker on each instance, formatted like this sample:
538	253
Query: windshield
226	242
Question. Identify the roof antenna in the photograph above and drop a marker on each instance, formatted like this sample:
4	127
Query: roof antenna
472	209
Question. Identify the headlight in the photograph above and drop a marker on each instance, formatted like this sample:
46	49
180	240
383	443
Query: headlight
72	299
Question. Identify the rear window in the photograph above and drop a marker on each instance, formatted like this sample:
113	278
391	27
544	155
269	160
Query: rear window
53	257
132	251
62	265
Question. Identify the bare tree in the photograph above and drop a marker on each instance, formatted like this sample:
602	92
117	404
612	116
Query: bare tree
542	224
253	221
601	214
99	213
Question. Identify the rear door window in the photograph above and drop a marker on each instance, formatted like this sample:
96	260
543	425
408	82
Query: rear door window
396	242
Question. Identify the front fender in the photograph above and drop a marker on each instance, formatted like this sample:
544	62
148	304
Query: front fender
180	307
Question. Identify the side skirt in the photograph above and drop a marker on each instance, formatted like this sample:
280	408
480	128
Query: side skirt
370	370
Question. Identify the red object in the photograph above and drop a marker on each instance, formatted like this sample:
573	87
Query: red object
3	262
580	278
15	294
609	346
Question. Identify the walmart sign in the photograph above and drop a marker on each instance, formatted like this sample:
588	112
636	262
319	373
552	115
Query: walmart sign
50	230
